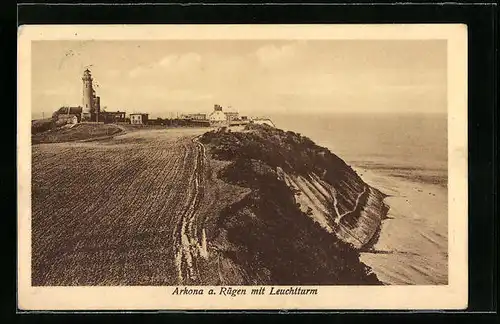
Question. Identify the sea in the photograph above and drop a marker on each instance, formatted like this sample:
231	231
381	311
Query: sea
406	156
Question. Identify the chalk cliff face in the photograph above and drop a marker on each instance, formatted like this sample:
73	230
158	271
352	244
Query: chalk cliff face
305	218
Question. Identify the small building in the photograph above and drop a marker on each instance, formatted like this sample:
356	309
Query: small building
157	122
197	116
68	119
231	115
139	119
67	113
112	116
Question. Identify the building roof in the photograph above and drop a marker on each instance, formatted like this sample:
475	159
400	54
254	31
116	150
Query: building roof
217	115
68	109
67	116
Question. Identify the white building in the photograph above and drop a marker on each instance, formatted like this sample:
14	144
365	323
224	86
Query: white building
217	117
138	119
69	119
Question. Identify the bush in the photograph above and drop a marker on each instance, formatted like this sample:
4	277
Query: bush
292	152
42	125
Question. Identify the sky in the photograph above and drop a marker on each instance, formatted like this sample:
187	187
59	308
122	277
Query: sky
254	77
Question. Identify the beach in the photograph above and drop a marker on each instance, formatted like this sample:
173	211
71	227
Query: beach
412	247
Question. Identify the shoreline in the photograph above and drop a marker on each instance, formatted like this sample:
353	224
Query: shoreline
412	243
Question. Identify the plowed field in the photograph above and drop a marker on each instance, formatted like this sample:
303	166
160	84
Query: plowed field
120	211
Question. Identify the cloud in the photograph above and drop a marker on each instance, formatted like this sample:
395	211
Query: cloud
60	91
185	95
138	71
148	93
173	63
275	55
182	61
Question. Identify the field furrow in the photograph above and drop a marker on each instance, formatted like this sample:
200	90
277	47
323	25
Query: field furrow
103	213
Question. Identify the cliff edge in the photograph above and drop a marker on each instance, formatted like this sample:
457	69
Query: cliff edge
305	216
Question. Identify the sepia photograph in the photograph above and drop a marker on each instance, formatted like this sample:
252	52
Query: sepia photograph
273	164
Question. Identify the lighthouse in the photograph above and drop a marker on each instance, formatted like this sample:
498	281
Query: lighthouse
88	97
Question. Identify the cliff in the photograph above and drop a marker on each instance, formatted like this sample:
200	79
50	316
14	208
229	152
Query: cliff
306	216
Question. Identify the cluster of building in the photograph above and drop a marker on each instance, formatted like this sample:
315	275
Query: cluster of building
90	112
218	117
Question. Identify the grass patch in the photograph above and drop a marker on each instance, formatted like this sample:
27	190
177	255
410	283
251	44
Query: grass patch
76	133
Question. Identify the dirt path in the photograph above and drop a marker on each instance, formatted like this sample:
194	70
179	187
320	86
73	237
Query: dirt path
190	237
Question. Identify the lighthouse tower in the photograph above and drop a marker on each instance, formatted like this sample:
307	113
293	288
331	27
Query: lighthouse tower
88	96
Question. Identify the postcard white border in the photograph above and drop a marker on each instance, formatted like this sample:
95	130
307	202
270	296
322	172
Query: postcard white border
451	296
